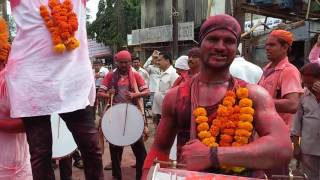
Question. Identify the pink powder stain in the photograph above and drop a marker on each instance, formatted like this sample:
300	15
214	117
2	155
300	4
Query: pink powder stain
14	3
84	2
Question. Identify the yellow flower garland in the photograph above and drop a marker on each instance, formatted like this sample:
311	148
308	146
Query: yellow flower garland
232	126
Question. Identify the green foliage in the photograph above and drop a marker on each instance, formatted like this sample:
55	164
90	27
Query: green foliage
115	19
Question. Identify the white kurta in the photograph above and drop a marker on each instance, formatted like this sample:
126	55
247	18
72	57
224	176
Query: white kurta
41	82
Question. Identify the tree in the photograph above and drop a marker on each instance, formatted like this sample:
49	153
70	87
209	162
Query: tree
115	19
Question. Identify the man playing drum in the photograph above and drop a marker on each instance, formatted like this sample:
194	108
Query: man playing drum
49	71
219	37
126	86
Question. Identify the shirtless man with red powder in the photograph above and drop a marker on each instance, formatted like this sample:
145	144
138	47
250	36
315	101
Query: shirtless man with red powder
219	36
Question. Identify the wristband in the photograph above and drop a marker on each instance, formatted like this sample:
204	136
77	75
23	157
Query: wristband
214	157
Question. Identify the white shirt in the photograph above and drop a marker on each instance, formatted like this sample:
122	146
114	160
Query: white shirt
144	74
41	82
245	70
102	72
166	81
154	75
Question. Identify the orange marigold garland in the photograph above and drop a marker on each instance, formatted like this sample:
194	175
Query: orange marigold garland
62	24
232	125
4	40
204	134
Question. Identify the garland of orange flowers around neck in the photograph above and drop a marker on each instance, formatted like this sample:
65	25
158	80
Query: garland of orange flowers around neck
62	24
232	125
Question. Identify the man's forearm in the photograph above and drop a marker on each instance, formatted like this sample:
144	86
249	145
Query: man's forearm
259	154
285	106
11	125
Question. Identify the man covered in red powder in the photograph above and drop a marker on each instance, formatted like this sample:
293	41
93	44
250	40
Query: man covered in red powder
219	37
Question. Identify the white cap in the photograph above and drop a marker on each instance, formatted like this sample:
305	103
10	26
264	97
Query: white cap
182	63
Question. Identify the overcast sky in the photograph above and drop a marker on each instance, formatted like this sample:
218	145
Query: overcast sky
93	6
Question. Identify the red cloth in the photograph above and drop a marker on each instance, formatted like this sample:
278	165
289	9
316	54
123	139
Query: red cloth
221	21
283	34
194	52
112	80
122	55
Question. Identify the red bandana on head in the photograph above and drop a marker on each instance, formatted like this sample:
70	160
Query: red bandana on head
221	21
122	55
283	34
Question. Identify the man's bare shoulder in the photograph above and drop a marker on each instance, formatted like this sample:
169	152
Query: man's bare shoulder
258	92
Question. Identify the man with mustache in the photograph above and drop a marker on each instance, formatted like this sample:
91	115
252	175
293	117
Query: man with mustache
219	39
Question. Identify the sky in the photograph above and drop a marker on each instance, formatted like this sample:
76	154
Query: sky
93	6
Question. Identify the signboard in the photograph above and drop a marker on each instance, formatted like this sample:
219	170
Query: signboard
97	49
162	33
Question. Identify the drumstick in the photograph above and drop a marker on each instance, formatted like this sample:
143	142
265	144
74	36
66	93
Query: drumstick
173	163
125	120
111	102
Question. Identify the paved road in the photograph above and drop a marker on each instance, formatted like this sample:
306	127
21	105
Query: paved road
128	159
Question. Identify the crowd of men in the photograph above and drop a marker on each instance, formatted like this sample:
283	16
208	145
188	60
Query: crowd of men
36	82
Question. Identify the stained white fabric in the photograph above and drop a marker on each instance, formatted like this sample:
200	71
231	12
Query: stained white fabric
41	82
14	152
245	70
166	81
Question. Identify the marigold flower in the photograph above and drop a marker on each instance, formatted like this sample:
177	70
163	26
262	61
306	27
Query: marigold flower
203	127
238	169
246	117
247	110
230	94
208	141
214	144
243	133
224	144
204	134
222	111
245	102
72	43
227	103
214	130
201	119
216	122
241	139
231	99
200	111
228	125
242	93
226	138
245	125
237	144
236	109
230	132
59	48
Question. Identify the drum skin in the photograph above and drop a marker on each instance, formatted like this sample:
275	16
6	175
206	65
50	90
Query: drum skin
122	124
63	143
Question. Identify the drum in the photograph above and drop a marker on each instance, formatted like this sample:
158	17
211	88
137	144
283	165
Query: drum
157	173
63	143
122	124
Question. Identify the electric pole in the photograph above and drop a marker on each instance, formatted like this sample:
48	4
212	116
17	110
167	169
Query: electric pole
175	31
4	9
